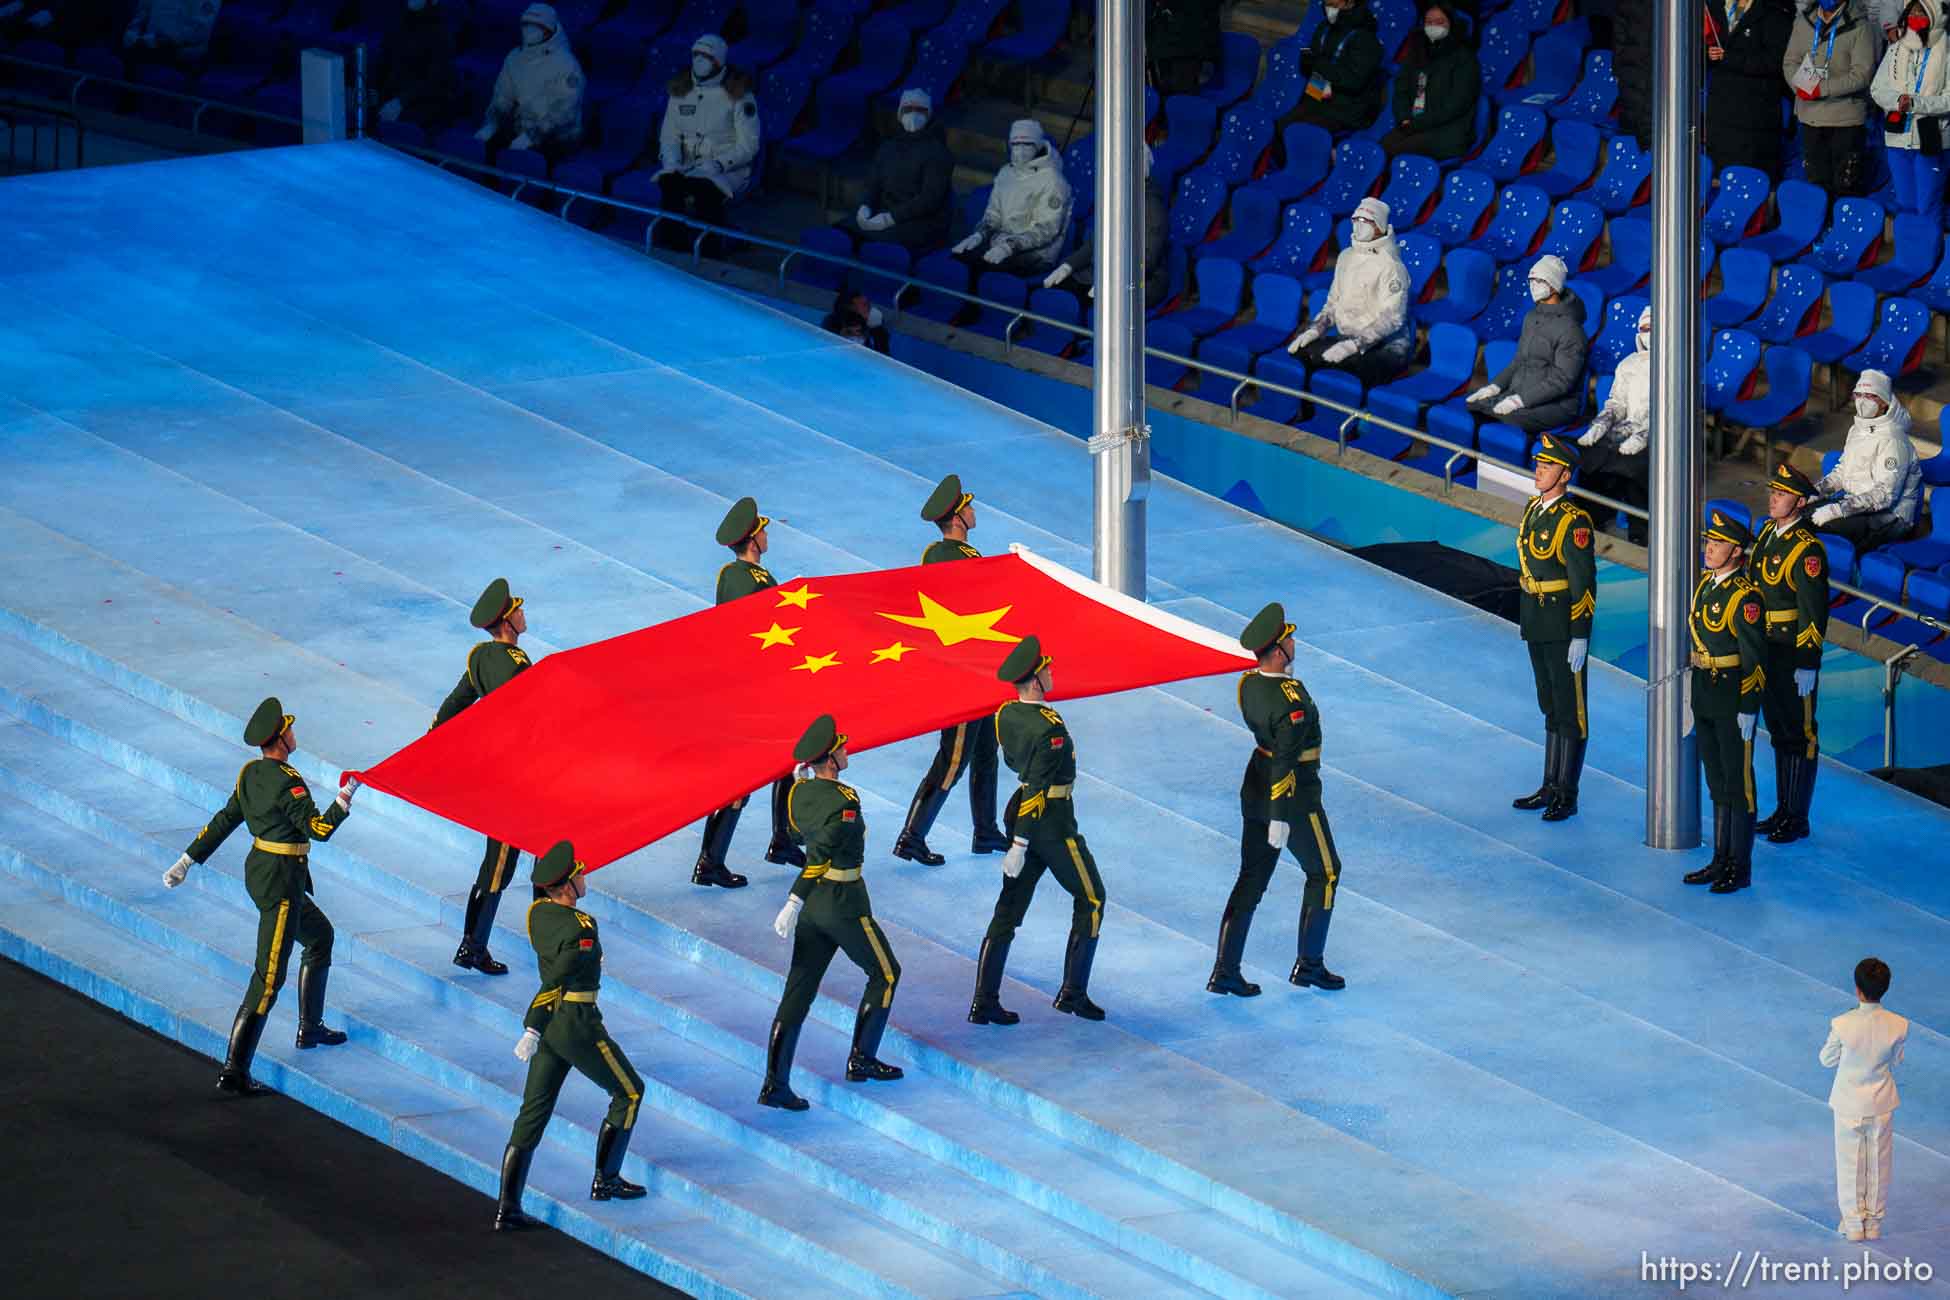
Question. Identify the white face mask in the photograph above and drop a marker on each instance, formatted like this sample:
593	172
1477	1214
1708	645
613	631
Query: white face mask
1645	340
1868	407
532	34
1023	154
703	67
1333	14
1539	291
1365	232
1433	32
913	122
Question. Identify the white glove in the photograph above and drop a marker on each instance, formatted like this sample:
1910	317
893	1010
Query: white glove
1484	394
1579	646
1508	404
179	871
1277	833
874	318
391	109
1686	705
1301	340
1632	446
347	788
862	215
1804	681
803	772
967	245
1340	352
1825	514
1590	437
1013	860
1058	276
788	916
997	252
522	141
881	221
1747	721
529	1041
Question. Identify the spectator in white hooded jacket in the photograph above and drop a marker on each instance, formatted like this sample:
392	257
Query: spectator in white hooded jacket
1615	458
537	100
1872	495
180	27
1912	87
1028	214
710	138
1367	306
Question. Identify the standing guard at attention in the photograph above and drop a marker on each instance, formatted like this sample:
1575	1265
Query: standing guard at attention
564	1030
1041	821
1560	598
272	799
1790	566
743	530
490	665
1281	787
968	744
829	911
1729	677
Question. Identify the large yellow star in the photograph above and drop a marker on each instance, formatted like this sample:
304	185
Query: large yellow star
892	653
776	636
953	628
799	596
816	662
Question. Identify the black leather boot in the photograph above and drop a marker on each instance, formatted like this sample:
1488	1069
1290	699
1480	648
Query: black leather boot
1738	874
1542	795
981	811
777	1090
1074	997
1232	947
1310	970
782	850
514	1176
1722	847
863	1063
473	953
710	868
1783	795
235	1077
312	1030
912	843
987	1008
609	1183
1570	770
1801	788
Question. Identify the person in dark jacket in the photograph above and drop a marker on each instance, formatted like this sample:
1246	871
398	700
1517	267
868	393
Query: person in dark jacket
1180	38
910	196
1436	90
1079	269
1745	44
414	79
1343	66
1543	386
1829	63
1631	65
856	319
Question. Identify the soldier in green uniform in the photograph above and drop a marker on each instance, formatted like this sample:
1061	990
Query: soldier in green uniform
271	798
1041	821
743	530
563	1029
828	911
1729	676
1790	566
1560	597
490	664
1281	787
969	744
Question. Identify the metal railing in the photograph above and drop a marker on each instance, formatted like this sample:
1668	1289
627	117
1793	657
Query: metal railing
17	117
202	102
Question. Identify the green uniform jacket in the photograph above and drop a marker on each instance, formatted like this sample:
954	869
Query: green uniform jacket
1348	55
741	579
490	664
1282	781
824	816
568	954
1791	570
273	800
1729	649
945	550
1560	571
1036	746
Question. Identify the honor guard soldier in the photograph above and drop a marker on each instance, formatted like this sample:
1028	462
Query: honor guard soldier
1790	566
564	1030
1281	787
1041	821
743	530
272	799
828	911
1560	597
968	744
1729	672
490	665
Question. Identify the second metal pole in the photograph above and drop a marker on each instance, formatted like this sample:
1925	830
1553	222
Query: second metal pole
1120	448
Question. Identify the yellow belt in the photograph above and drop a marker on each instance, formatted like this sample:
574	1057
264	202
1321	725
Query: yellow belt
841	875
1702	660
282	850
1058	792
1306	755
585	995
1783	615
1535	588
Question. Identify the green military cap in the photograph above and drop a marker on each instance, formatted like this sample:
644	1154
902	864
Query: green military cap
1791	480
267	724
1268	626
1556	451
821	738
740	522
946	499
495	604
1723	527
556	866
1024	662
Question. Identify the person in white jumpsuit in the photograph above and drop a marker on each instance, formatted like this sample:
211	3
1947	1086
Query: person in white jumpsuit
1367	306
1615	459
1872	495
537	100
1028	215
1863	1046
710	139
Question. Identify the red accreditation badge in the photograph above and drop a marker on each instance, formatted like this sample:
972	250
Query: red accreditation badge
1750	611
1581	537
1813	565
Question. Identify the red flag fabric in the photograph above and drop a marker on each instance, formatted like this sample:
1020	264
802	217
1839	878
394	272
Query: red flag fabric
617	744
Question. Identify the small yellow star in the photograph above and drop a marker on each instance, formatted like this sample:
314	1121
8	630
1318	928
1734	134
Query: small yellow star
816	662
799	596
776	636
892	653
952	628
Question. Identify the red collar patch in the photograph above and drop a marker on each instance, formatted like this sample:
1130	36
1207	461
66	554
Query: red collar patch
585	944
850	815
1298	715
299	792
1056	742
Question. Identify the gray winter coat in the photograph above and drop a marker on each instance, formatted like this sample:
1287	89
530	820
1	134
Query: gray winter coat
1851	63
1548	368
912	181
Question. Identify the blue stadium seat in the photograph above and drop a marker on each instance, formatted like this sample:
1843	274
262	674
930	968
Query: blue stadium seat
1744	276
1304	245
897	262
1791	313
1004	289
1726	506
1223	353
1471	275
1221	286
1933	550
1501	52
1631	257
1929	593
1452	421
1539	15
1413	182
1841	551
1577	148
1275	319
1358	165
1575	229
625	136
1165	336
637	23
1936	469
783	93
771	33
1462	214
947	271
840	115
1420	255
1517	229
1790	378
1595	96
1059	304
1852	241
1190	123
883	50
1279	89
1309	153
1729	372
1201	197
1935	292
1509	304
1452	361
1896	346
1739	207
1238	65
1336	386
1593	299
1802	208
815	271
1618	337
916	15
1516	146
940	58
1245	135
1040	26
1556	60
972	19
1878	573
1504	443
1913	255
1851	310
1626	179
1279	368
1255	219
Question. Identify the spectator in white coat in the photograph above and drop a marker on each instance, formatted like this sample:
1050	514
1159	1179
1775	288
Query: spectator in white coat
538	96
1615	458
710	139
1872	495
1863	1047
179	27
1913	91
1367	306
1028	214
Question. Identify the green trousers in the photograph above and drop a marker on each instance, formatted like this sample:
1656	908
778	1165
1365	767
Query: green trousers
498	866
1560	692
279	925
1790	714
838	917
1064	856
575	1039
1310	840
1727	760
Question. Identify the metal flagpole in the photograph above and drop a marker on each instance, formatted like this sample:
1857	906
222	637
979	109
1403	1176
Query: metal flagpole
1671	766
1120	448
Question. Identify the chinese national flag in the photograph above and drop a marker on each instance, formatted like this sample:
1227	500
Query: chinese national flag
617	744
